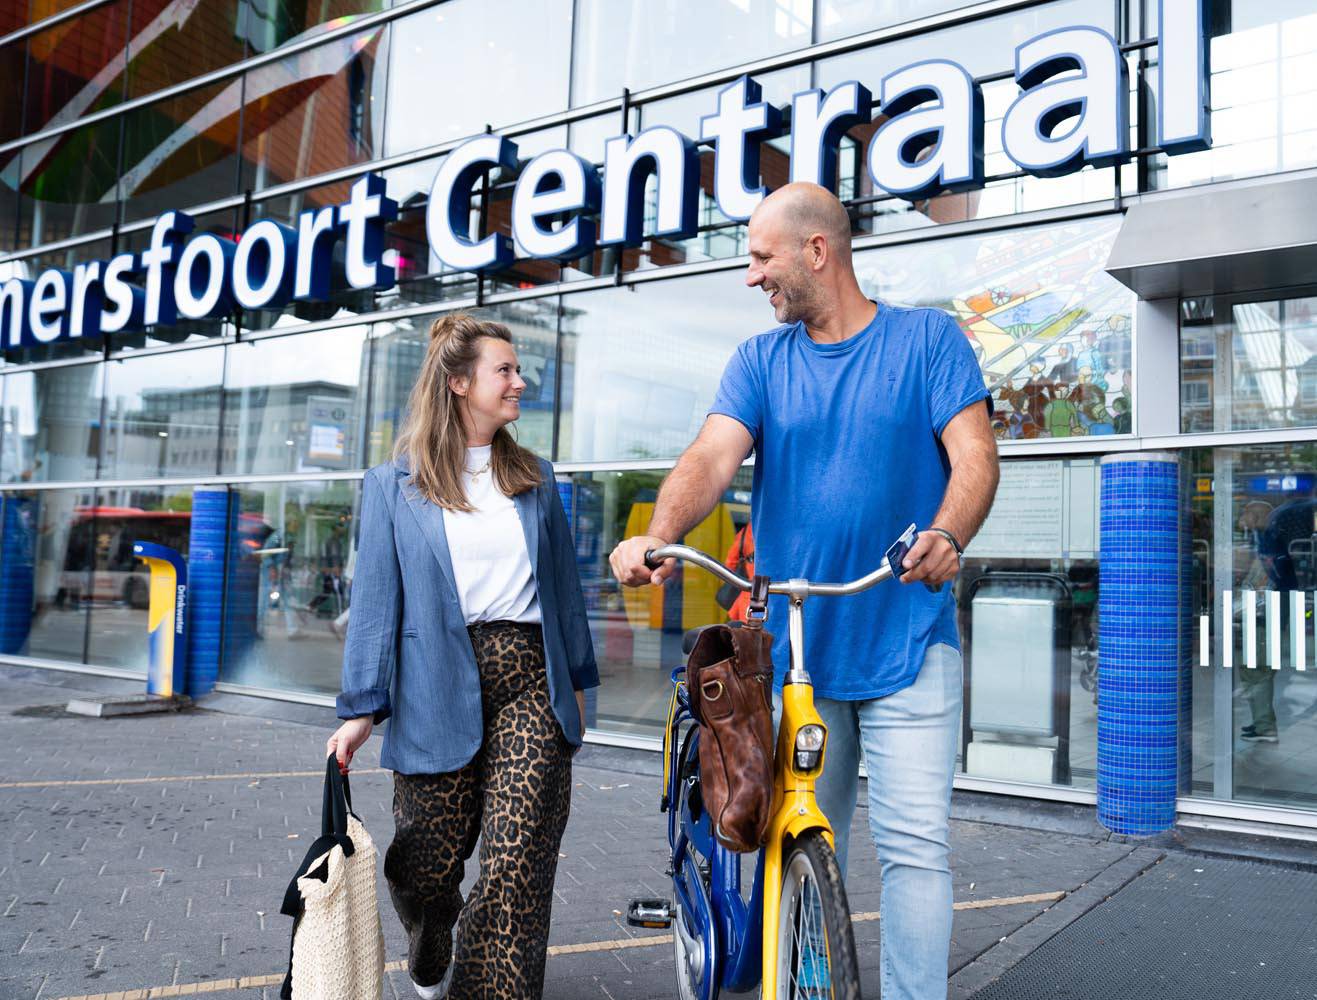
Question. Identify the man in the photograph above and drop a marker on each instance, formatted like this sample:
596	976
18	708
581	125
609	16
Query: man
862	418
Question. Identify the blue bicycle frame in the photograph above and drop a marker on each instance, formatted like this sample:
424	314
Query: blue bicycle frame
730	926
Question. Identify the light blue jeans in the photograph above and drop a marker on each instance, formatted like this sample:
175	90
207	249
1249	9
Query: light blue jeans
909	744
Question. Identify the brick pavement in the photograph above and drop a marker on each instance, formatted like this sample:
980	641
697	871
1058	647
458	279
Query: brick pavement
151	852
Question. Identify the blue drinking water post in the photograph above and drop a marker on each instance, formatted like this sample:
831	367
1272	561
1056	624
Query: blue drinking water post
166	625
166	641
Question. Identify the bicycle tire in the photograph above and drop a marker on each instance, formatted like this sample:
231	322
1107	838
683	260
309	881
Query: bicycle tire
812	865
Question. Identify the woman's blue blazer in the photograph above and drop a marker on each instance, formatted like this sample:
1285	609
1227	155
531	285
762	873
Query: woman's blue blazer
408	656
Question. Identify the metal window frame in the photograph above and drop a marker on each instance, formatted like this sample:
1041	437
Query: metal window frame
36	27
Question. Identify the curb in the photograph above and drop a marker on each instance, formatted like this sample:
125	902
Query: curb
1013	949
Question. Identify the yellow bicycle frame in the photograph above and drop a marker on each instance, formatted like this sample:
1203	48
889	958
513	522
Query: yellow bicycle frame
795	811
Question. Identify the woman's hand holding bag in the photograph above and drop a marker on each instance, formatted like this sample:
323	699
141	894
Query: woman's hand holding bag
348	739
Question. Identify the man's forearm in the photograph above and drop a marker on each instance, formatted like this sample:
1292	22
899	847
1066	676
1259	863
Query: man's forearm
687	496
969	494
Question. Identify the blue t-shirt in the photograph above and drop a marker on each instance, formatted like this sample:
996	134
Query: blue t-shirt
847	454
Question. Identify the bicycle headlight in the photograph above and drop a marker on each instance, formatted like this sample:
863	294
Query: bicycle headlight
809	747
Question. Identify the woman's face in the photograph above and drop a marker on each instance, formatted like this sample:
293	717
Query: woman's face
493	393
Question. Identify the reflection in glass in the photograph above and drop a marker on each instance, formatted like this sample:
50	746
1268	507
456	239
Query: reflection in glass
290	578
162	415
842	18
75	67
66	184
641	363
399	348
1271	378
292	404
1264	85
181	151
45	563
52	424
1028	616
1253	524
266	26
439	52
637	44
1050	328
314	111
172	43
118	591
13	58
637	632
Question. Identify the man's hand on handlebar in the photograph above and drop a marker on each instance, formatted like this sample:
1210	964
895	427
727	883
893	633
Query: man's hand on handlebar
931	560
628	562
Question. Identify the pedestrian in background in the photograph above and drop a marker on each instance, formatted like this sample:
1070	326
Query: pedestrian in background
468	632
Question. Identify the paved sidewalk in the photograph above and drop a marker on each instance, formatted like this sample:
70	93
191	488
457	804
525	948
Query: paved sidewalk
148	856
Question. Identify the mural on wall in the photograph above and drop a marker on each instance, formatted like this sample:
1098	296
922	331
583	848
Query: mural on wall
1050	328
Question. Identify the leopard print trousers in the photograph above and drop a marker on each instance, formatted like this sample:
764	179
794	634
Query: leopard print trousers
514	795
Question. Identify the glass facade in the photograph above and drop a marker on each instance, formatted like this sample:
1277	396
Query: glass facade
282	409
1253	532
1248	364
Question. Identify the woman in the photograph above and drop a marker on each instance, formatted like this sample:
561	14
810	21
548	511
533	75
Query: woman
468	627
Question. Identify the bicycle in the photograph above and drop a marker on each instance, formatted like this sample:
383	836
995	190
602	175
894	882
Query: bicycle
795	941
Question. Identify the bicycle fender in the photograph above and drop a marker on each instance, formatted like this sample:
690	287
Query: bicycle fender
799	814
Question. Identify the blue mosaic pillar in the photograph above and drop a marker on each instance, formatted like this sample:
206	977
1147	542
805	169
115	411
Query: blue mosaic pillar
212	528
1139	650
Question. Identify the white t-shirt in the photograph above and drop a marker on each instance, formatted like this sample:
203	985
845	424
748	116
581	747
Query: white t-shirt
488	547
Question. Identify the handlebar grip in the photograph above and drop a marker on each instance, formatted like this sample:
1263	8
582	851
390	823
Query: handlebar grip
650	561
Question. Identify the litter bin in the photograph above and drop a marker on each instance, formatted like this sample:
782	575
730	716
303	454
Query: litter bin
1016	721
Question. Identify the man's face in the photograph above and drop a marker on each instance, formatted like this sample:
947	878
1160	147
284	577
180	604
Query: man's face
777	265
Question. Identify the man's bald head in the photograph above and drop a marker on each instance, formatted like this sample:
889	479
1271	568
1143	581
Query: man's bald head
803	210
800	256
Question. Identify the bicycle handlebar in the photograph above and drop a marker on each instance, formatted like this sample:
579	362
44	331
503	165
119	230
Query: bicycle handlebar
802	588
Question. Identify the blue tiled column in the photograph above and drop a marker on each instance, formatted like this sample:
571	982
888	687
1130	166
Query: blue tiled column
212	527
1139	649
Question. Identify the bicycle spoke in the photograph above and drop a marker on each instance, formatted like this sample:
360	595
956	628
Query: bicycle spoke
809	975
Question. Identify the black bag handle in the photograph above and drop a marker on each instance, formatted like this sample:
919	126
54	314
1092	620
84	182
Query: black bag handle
336	807
336	804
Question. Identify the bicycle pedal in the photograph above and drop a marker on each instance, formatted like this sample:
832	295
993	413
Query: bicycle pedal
656	913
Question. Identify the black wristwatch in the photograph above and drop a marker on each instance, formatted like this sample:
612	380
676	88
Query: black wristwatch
960	553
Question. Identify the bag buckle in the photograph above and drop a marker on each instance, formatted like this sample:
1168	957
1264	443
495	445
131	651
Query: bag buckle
757	613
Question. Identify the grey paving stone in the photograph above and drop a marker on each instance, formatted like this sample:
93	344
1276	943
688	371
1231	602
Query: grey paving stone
127	884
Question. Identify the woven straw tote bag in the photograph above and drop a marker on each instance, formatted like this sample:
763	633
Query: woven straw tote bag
338	945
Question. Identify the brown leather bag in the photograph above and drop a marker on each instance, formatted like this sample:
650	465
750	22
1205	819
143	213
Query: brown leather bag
730	674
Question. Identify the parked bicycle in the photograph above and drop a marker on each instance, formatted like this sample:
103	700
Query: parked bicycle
795	939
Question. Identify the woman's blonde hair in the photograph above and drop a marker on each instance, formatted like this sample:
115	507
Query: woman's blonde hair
433	438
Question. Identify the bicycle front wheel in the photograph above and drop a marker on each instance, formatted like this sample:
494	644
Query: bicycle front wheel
815	944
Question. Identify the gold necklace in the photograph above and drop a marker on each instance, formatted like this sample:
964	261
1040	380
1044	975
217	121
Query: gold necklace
475	474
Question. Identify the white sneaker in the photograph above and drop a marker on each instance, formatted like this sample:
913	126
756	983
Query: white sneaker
439	990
